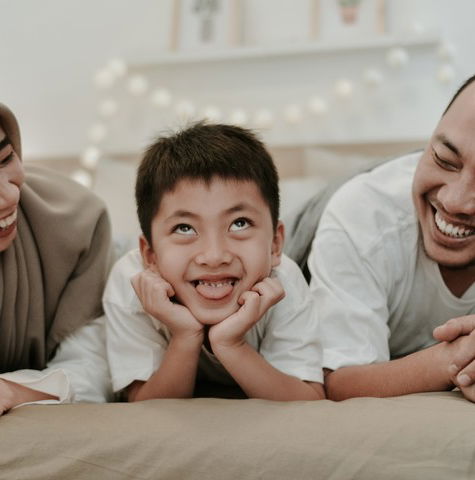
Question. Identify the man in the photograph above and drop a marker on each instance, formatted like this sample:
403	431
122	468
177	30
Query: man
393	259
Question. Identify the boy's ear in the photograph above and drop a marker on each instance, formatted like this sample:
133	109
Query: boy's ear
278	243
148	255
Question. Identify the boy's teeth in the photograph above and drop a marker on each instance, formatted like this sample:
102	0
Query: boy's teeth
452	230
215	284
6	222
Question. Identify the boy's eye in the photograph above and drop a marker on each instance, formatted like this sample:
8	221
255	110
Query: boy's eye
184	229
240	224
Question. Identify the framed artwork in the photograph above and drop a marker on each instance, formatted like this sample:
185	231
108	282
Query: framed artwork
205	24
347	19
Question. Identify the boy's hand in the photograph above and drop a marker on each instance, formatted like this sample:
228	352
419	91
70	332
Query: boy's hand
460	332
254	304
155	295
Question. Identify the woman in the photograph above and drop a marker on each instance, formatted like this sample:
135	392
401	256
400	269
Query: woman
55	254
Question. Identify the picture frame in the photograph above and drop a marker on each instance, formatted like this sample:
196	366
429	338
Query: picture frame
203	25
340	20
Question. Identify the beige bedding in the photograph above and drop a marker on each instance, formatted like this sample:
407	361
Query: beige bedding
423	436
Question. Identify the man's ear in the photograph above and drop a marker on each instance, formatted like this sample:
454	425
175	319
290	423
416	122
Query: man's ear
148	255
278	243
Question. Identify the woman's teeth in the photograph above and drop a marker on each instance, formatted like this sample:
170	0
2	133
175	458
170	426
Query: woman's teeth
452	230
7	222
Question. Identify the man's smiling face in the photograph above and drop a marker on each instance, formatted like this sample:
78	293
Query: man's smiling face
444	186
212	242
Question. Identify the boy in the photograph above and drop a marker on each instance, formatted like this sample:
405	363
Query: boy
209	283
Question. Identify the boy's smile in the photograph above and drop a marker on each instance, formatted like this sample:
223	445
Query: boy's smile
215	288
212	242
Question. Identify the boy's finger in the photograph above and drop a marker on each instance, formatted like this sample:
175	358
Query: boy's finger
269	286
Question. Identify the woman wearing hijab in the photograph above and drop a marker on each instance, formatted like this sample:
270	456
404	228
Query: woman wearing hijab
55	254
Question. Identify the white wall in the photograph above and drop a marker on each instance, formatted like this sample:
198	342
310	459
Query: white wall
50	50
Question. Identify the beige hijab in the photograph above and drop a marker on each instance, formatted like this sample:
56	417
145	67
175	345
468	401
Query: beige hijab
53	274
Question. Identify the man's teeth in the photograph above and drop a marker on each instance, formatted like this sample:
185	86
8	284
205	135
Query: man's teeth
6	222
452	230
221	283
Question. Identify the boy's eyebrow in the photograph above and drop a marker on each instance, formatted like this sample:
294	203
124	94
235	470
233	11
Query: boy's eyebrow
234	209
182	213
241	206
446	142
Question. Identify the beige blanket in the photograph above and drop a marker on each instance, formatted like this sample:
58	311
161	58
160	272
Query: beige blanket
422	436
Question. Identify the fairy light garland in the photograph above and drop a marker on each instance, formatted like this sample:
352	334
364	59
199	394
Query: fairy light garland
264	117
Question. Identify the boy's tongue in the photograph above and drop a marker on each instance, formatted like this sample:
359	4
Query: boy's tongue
214	290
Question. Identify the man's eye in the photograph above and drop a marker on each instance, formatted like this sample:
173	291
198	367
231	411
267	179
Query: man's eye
445	164
240	224
184	229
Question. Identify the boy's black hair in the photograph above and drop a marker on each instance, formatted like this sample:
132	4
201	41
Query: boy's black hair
459	91
203	152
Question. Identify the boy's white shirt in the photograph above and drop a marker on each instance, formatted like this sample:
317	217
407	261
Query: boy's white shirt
287	336
77	373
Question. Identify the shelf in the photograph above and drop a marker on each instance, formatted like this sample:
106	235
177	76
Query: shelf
309	48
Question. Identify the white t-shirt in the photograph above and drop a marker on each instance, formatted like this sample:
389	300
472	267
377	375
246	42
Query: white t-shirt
287	336
378	295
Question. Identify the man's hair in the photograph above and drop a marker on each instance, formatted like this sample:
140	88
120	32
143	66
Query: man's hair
203	152
459	91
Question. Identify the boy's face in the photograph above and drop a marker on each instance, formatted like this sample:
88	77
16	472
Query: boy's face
212	243
444	186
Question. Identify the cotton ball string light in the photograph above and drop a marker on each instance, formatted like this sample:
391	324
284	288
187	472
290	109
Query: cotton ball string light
185	110
117	67
238	117
373	77
344	88
446	51
82	177
137	84
417	28
108	107
97	132
161	98
397	57
263	118
293	114
446	73
90	157
317	105
212	114
104	78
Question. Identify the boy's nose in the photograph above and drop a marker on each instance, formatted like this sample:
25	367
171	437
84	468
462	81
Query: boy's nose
214	253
